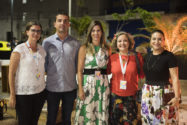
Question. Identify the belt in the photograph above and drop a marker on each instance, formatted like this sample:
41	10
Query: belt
158	83
92	71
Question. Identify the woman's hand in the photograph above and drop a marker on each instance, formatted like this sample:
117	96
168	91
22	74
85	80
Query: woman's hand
81	94
176	86
174	101
14	62
12	101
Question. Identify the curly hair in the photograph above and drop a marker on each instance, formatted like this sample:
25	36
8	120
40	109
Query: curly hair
116	36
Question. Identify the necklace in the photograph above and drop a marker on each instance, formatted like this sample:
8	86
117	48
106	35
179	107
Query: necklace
123	68
149	67
36	59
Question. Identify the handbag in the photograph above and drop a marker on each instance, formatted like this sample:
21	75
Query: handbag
167	97
139	96
3	104
140	81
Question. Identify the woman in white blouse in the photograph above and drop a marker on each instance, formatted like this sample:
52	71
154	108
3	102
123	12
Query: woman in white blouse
26	77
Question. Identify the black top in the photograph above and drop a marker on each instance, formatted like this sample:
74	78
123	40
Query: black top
156	67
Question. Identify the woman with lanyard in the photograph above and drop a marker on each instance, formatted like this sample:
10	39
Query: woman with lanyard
26	77
124	82
160	65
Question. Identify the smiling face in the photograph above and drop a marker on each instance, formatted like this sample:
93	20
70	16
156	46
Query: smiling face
123	43
62	23
157	40
34	33
96	34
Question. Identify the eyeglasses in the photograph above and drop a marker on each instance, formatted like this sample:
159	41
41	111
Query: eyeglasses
36	31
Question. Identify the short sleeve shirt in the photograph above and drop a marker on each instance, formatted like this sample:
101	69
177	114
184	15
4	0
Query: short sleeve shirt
156	67
30	72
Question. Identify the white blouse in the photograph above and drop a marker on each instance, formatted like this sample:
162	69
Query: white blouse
30	72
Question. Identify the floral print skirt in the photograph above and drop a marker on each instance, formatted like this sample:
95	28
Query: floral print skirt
122	110
93	110
152	109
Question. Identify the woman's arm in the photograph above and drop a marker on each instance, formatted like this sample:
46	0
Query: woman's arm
14	62
81	60
176	86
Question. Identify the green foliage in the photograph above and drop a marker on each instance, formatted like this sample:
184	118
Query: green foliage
103	25
128	14
147	17
127	4
130	3
144	15
116	16
80	25
124	18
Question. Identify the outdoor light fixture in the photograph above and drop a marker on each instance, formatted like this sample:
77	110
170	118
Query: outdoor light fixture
24	1
24	16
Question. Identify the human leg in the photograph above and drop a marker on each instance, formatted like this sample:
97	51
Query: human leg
38	102
123	110
68	99
24	109
53	100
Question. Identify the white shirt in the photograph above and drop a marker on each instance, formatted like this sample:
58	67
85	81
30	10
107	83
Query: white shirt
30	72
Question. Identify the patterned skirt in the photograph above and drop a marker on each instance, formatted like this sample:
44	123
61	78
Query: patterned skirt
122	110
94	109
152	109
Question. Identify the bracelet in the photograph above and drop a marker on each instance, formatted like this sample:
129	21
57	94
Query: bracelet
177	98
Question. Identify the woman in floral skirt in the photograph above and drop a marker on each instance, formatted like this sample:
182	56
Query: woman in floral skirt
124	82
159	66
93	88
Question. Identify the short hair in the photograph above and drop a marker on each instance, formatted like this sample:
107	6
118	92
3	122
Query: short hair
61	12
129	37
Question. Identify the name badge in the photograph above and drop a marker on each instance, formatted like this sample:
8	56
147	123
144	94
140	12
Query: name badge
98	75
38	76
123	84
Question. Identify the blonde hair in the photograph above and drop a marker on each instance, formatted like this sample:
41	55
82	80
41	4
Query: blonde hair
116	36
89	45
